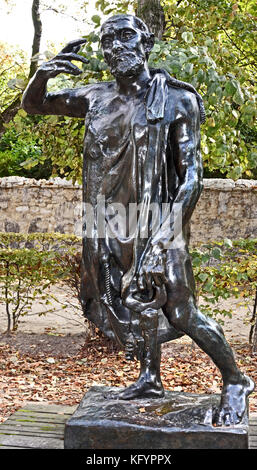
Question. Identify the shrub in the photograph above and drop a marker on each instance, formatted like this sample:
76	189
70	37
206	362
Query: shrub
29	264
225	269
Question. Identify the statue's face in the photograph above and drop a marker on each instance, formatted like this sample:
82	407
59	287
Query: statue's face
122	47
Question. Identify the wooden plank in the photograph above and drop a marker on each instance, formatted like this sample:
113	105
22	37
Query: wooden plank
34	419
51	408
32	442
31	434
253	431
252	445
21	418
32	427
36	426
12	430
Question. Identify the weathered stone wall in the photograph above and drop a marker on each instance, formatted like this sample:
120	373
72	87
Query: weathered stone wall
29	205
226	209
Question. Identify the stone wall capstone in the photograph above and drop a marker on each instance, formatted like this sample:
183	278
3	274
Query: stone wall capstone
226	208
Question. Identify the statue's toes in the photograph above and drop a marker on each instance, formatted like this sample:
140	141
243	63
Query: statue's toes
222	417
238	418
226	417
231	418
218	419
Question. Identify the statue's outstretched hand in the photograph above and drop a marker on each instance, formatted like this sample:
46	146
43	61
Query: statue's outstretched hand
61	63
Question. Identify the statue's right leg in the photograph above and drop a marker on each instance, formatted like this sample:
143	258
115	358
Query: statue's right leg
183	313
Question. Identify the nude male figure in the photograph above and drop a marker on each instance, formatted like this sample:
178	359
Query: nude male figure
142	145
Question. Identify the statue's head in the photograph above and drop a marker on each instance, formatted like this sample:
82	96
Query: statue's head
126	43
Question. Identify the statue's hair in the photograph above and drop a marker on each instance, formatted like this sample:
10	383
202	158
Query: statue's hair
140	24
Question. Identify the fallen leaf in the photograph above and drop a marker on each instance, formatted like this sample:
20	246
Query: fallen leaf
50	360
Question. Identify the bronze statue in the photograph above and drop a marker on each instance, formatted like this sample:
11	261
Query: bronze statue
141	149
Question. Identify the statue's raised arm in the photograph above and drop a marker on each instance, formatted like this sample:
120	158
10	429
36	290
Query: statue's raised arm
68	102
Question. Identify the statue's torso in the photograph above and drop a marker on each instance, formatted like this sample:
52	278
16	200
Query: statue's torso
116	143
119	144
120	147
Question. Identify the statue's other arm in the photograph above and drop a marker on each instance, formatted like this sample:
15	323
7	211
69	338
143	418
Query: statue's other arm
69	102
185	141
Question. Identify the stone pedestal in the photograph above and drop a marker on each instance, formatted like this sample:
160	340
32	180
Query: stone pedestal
177	421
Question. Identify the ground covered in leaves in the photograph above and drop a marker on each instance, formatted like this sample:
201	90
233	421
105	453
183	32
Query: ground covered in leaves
58	368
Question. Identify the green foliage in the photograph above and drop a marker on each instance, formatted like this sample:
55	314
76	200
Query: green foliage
207	43
29	265
225	269
211	45
61	142
13	70
17	147
115	6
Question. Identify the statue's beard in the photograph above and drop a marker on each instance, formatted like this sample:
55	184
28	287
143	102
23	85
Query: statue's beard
126	64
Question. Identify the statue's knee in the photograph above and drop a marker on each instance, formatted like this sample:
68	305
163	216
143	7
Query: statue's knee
178	317
179	308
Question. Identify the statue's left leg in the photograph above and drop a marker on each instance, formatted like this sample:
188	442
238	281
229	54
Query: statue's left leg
182	312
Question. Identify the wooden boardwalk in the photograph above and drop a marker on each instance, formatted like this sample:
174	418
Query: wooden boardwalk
35	427
42	427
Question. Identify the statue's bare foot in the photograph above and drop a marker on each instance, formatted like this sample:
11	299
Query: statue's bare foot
140	389
233	402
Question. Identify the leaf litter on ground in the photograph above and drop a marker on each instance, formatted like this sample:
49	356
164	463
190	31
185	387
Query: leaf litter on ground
63	375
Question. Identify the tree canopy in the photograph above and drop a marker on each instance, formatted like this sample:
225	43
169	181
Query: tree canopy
207	43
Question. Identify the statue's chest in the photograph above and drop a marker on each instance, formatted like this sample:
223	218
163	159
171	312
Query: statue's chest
109	127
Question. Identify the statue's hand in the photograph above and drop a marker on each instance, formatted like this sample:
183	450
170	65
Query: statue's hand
146	289
152	271
61	63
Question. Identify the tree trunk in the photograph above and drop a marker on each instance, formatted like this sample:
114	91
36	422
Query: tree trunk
37	37
151	12
9	113
253	330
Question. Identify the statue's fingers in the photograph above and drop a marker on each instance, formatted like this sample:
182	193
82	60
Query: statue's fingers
141	282
149	283
74	46
163	277
157	280
63	66
71	56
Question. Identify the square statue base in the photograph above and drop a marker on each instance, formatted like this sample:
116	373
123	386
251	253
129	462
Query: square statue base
177	421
